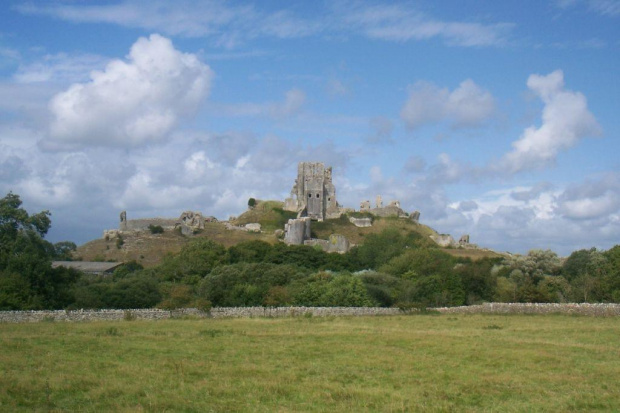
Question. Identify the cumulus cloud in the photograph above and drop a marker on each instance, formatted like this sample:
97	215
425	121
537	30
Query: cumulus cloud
565	121
466	106
531	193
131	102
467	206
593	199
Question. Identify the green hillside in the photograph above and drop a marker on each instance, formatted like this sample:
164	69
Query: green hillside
149	249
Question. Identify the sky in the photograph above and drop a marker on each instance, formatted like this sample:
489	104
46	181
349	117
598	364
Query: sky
497	119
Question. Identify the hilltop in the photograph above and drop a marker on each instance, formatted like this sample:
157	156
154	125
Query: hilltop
149	249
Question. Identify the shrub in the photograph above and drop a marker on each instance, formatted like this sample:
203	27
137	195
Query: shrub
178	296
203	305
156	229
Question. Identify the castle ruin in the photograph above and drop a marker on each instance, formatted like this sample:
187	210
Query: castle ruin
313	194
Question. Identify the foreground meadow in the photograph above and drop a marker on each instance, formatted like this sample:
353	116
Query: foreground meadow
400	363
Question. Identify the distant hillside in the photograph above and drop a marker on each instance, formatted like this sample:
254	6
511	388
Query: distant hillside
149	249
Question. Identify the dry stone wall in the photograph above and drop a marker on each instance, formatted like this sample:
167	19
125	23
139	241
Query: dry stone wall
599	310
216	312
596	310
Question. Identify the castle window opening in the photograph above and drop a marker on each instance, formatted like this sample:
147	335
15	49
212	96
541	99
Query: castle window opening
309	195
317	195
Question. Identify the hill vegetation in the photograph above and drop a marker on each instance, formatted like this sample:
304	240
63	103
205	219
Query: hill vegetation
397	266
149	249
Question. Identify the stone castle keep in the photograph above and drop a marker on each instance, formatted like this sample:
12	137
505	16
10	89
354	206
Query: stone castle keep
314	194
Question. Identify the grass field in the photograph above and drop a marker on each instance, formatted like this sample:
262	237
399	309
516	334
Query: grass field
401	363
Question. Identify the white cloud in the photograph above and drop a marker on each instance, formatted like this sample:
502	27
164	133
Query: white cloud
402	23
527	194
565	121
61	67
228	24
131	102
593	199
466	106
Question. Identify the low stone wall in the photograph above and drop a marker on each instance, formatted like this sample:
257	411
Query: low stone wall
599	310
216	312
142	224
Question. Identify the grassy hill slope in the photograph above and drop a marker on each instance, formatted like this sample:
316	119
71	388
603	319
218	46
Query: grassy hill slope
149	249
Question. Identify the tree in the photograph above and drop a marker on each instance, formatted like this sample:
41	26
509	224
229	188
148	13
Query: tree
195	260
251	203
249	251
247	284
63	250
27	279
380	248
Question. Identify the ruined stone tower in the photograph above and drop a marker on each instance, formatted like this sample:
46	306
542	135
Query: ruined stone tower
313	194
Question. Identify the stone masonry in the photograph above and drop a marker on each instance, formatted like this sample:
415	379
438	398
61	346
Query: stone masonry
314	194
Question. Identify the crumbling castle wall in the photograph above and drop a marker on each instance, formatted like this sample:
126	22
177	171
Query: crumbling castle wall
296	231
393	209
361	222
188	222
142	224
336	243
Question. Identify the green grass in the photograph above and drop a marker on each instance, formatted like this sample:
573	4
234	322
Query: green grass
403	363
269	214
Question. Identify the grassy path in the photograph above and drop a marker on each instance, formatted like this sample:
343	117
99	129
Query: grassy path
403	363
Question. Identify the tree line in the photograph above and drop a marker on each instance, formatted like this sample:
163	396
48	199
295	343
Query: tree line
390	269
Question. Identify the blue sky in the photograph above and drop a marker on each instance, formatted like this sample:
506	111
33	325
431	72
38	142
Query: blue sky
495	119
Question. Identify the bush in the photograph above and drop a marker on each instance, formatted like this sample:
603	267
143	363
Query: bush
156	229
177	296
195	260
202	305
245	284
331	290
